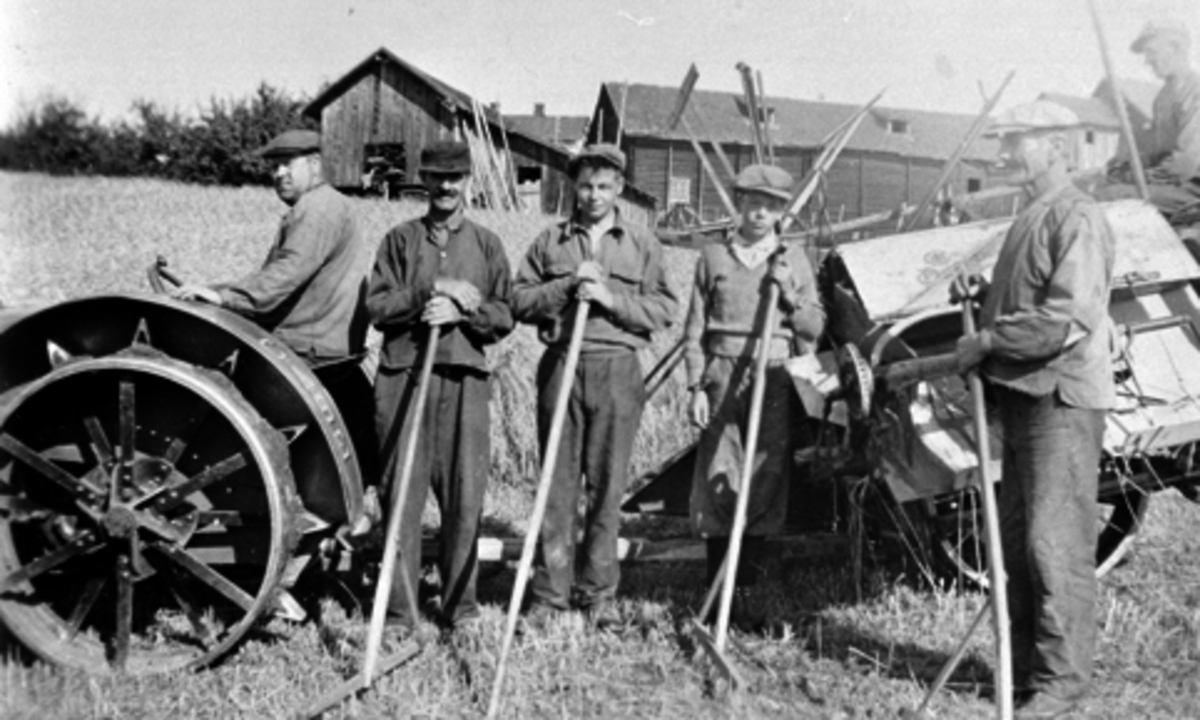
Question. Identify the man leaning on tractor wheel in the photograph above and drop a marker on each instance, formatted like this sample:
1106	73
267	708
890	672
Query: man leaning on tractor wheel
309	291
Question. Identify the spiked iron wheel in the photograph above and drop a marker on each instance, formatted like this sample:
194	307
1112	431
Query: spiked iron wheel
956	526
147	512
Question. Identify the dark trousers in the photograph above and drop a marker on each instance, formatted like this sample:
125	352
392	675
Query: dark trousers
597	441
1048	515
352	394
453	456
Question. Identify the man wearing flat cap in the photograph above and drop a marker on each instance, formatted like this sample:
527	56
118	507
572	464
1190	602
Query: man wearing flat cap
597	256
723	323
440	270
1043	347
309	290
1172	158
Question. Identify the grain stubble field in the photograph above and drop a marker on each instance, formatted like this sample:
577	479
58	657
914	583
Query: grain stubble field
827	654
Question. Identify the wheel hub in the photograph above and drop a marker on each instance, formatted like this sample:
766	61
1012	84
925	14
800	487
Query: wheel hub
120	521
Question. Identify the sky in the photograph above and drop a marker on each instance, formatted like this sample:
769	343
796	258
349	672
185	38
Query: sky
929	54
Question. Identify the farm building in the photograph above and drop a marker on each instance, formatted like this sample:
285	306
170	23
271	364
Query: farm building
385	110
565	131
895	156
1099	136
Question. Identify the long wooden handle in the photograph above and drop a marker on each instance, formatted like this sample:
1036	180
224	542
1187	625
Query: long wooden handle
550	457
991	521
1114	86
749	448
383	587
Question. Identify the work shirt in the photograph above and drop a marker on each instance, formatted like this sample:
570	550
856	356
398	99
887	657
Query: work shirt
724	315
632	260
1045	318
1175	129
411	257
309	290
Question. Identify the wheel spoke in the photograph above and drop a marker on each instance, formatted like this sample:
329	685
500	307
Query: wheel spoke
81	544
166	498
128	435
207	575
100	444
86	601
78	487
196	418
124	624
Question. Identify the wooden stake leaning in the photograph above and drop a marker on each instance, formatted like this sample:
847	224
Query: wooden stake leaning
677	119
996	576
952	162
1135	160
750	448
661	372
550	457
948	669
383	586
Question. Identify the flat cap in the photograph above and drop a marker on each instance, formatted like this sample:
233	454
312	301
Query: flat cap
290	143
1038	115
600	154
446	157
1163	27
765	179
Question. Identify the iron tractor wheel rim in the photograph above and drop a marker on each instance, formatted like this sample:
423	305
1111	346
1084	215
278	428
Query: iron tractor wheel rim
112	577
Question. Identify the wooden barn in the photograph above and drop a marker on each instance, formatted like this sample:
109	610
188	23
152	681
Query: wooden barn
386	110
895	156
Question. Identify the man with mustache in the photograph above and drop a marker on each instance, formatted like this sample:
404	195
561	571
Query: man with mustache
441	270
1172	157
594	255
1043	347
309	291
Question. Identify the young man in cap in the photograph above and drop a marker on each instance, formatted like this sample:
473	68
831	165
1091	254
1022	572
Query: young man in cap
720	338
441	270
1043	347
596	256
1172	158
309	291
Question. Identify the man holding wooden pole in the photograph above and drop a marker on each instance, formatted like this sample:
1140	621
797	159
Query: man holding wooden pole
723	321
444	271
1043	347
618	267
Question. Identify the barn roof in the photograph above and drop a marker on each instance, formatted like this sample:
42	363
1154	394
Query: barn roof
722	116
1091	111
561	130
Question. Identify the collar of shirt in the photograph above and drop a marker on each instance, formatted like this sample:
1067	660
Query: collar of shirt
575	229
753	254
439	232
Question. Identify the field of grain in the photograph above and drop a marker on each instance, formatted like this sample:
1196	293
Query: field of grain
833	648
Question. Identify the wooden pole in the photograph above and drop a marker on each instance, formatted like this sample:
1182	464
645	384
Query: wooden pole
750	448
726	201
751	99
667	365
1135	160
952	162
955	658
996	575
543	494
828	156
766	118
383	587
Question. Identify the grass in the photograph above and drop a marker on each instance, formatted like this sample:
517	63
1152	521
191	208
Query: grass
832	649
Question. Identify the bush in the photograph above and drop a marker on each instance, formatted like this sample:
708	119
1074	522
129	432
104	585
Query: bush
216	148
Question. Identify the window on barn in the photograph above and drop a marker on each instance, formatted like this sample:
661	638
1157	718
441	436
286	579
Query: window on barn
680	191
528	173
1090	137
898	127
974	185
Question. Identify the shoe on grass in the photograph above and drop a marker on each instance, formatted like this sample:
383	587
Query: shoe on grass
604	617
1042	706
